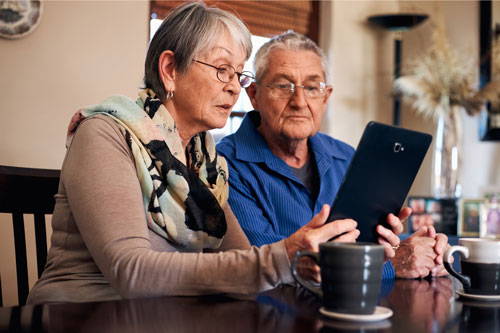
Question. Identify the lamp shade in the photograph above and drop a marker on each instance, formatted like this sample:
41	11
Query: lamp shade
397	22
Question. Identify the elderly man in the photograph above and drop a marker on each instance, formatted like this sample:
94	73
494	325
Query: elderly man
282	171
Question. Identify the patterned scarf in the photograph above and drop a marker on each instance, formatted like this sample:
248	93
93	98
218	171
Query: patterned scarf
182	198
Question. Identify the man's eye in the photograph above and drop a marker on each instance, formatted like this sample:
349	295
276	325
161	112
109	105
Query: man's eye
282	85
311	88
222	70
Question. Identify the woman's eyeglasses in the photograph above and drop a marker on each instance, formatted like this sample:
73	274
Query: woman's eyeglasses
226	73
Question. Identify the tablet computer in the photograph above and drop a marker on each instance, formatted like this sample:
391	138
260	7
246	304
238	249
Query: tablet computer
379	177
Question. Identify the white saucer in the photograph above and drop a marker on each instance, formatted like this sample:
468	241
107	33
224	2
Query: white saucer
379	314
479	297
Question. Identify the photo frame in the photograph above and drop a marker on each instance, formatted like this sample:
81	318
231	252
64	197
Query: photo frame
471	214
490	218
442	213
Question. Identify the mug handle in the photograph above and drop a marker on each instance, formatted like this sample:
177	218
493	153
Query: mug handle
305	283
447	259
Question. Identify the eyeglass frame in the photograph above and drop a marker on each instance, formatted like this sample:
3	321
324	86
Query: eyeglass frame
293	86
248	74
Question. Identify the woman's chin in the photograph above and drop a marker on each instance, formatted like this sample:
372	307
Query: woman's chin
218	121
218	125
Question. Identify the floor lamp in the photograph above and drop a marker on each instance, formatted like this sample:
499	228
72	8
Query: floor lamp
397	23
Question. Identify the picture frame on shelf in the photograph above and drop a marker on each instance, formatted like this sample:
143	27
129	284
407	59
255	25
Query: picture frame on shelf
470	217
490	218
442	213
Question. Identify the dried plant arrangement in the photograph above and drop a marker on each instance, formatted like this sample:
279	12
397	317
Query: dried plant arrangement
442	78
439	84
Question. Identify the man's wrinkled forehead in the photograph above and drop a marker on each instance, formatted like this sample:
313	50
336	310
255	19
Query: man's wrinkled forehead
289	76
290	64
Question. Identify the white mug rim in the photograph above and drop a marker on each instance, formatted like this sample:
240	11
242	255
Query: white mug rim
480	250
480	240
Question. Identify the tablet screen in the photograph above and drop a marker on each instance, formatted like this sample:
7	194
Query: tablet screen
379	177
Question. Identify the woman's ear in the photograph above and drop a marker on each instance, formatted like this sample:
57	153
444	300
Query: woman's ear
166	70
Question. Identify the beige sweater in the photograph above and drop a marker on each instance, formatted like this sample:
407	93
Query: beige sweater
102	248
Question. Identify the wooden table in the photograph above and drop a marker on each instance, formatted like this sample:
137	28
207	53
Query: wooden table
418	305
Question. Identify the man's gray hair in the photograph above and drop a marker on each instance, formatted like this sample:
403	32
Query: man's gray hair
188	31
289	40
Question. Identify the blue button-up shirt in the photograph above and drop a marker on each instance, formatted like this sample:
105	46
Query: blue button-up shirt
269	201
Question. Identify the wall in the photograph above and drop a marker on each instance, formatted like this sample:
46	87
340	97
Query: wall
82	52
361	58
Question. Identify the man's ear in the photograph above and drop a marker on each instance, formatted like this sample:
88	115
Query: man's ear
252	92
166	70
329	90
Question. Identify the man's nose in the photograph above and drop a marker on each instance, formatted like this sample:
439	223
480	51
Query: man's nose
298	98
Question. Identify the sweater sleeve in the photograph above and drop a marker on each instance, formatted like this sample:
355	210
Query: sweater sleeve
106	202
256	224
235	237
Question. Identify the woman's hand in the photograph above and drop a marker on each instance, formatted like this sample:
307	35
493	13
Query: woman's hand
316	232
389	237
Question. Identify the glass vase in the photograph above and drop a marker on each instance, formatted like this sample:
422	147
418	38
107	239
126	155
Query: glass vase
448	154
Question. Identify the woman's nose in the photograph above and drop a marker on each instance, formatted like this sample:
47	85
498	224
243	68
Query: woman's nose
233	86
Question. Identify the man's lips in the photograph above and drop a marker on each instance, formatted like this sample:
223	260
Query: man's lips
226	107
298	117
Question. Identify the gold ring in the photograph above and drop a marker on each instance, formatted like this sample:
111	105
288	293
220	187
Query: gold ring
395	247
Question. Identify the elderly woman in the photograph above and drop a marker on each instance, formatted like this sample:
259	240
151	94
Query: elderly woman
142	204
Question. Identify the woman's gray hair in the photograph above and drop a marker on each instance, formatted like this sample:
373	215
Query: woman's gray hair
188	31
289	40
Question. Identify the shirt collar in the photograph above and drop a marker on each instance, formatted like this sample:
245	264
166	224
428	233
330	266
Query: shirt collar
323	146
250	145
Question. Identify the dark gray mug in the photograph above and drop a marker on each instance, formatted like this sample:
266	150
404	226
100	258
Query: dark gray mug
351	274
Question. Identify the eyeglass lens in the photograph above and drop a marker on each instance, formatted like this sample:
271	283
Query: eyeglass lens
286	90
226	73
245	80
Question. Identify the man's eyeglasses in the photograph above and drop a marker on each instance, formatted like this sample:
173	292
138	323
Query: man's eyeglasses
286	90
226	73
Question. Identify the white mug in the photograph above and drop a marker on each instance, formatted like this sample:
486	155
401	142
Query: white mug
480	262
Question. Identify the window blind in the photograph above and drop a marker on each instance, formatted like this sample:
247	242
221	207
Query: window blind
263	18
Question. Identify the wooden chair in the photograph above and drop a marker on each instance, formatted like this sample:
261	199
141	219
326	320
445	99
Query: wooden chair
27	191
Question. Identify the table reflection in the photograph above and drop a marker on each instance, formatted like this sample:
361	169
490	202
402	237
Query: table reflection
175	314
480	317
425	304
418	305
